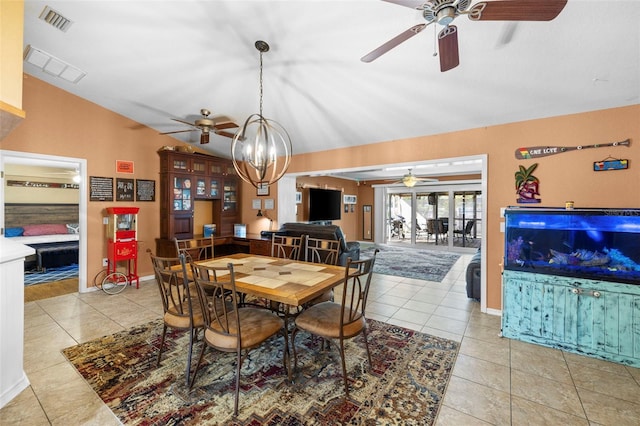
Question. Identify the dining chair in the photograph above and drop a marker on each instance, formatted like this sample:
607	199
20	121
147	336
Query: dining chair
286	247
181	310
195	249
344	320
229	326
317	250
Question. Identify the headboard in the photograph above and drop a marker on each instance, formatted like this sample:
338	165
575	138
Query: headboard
19	214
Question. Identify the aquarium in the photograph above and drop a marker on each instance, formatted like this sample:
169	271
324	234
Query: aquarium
597	244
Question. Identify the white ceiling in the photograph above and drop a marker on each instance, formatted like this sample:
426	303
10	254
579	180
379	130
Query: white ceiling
154	60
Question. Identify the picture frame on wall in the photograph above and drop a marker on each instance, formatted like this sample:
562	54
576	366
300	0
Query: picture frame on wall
262	190
350	199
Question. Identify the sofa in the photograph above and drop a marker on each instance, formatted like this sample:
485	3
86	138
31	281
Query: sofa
328	232
473	276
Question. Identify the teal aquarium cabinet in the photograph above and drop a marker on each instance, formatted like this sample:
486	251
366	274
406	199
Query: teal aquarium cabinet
572	280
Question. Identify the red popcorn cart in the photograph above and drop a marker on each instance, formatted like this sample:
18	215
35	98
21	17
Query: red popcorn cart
122	246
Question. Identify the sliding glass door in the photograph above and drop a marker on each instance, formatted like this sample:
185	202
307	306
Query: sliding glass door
436	215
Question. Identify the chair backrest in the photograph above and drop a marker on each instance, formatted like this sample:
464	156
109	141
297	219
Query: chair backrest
195	249
357	280
285	247
172	279
219	300
469	226
318	250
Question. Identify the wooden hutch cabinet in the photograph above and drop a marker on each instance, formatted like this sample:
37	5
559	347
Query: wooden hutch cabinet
186	178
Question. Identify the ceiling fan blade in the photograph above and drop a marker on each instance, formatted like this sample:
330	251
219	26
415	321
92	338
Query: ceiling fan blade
177	131
204	138
225	134
184	122
448	47
376	53
517	10
413	4
227	125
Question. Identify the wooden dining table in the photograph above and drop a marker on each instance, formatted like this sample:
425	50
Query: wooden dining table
290	282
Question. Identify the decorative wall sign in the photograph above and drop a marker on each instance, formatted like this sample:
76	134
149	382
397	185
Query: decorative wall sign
545	151
124	166
100	188
30	184
612	164
145	190
298	197
124	189
527	185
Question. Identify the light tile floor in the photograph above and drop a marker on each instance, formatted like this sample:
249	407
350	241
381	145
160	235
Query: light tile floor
495	381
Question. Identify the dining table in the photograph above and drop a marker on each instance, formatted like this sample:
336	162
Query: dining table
289	282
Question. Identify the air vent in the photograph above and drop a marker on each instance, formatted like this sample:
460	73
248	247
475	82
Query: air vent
55	19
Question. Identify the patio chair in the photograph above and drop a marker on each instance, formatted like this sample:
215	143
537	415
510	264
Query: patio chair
464	233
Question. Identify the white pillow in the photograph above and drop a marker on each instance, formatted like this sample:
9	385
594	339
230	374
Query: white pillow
73	228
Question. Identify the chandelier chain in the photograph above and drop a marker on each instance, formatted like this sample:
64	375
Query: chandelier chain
261	87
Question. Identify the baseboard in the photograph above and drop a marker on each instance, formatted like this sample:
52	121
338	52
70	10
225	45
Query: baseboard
14	390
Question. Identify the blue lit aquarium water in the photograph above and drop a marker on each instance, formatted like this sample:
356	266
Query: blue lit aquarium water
598	244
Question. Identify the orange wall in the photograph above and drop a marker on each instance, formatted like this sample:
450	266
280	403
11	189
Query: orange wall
59	123
567	176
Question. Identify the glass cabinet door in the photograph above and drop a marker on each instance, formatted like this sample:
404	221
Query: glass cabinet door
181	194
230	196
201	188
214	188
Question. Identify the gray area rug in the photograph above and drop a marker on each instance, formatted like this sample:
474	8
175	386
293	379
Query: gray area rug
430	265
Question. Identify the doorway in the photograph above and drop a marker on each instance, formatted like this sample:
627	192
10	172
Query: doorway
31	159
434	215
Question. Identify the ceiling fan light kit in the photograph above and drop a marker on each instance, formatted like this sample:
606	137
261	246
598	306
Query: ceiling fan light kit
444	12
409	180
261	149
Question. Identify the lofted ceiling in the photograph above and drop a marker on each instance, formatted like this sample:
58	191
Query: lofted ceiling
156	60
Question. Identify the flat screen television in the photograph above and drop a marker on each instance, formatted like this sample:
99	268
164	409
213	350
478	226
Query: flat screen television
324	204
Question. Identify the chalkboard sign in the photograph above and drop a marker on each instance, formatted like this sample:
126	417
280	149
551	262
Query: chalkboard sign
124	189
101	188
145	190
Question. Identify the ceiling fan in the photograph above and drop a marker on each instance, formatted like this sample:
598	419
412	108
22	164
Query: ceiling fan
444	12
207	125
410	180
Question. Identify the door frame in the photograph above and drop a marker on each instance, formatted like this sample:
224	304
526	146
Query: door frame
28	158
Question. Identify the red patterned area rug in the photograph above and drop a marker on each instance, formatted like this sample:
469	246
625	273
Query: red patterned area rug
406	385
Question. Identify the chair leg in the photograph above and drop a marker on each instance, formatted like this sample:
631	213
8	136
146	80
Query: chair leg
187	373
344	369
164	332
366	345
193	379
239	366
